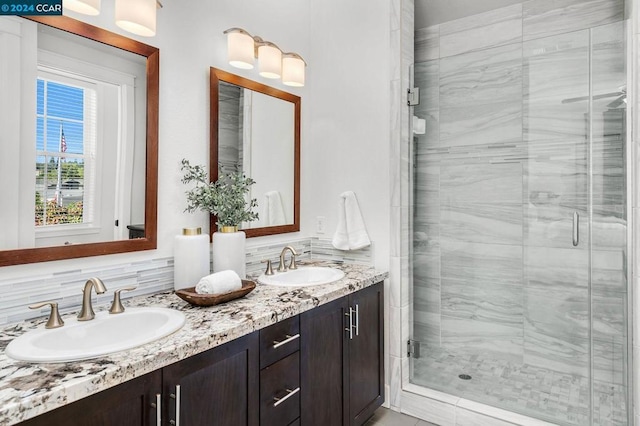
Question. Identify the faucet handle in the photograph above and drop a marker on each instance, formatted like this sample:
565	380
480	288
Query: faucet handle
116	306
54	320
292	264
269	270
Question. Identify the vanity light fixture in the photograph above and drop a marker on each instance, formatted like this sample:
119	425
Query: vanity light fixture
86	7
135	16
243	49
269	60
293	69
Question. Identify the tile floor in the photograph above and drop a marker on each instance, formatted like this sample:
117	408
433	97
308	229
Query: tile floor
533	391
385	417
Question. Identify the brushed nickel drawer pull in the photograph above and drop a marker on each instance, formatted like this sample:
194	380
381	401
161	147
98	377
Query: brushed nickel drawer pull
279	401
357	321
158	406
576	229
176	396
288	339
350	328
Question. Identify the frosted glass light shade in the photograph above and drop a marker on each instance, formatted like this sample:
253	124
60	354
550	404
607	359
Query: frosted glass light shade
269	61
86	7
137	16
240	49
293	70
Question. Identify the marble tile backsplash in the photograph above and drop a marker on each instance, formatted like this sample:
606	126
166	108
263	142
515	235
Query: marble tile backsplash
150	277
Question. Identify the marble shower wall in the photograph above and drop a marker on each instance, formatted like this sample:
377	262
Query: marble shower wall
230	113
500	172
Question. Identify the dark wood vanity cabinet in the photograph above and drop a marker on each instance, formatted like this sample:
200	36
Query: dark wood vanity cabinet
322	367
218	387
128	404
342	367
280	373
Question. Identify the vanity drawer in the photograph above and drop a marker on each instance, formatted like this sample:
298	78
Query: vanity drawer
280	392
279	340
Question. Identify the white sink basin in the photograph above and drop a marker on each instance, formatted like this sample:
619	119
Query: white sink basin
305	276
103	335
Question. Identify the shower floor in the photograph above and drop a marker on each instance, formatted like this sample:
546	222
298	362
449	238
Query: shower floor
533	391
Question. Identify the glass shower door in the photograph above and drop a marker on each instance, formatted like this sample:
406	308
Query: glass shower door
519	227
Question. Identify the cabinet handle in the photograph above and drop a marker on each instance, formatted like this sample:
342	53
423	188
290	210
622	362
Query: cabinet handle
158	406
290	393
288	339
176	396
350	328
576	229
357	321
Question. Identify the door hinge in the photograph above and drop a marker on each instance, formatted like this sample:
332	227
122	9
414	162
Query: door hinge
413	96
413	348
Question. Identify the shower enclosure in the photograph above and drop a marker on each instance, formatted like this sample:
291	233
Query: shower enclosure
519	224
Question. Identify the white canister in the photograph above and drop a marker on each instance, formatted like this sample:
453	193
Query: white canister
190	258
229	250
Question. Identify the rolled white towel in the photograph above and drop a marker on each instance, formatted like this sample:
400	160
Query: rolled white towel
218	283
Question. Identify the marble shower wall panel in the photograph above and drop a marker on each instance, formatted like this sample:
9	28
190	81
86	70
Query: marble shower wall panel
543	18
481	291
556	88
494	28
427	44
484	182
545	351
481	97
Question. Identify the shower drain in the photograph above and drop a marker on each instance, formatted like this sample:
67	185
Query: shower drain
464	377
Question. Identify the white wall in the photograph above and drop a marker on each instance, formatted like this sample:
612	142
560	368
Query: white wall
345	107
346	138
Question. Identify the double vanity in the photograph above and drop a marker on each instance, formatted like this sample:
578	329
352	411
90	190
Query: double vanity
309	355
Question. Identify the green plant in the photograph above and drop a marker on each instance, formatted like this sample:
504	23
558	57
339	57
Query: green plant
224	198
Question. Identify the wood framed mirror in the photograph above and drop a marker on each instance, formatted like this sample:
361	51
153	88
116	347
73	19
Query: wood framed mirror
72	131
256	128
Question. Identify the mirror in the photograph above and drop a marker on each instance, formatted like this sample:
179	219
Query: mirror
80	141
256	128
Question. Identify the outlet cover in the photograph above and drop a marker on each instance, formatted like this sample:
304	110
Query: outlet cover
320	224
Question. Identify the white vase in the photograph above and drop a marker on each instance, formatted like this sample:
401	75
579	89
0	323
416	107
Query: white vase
229	250
190	258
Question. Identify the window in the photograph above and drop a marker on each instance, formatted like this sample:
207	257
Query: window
65	147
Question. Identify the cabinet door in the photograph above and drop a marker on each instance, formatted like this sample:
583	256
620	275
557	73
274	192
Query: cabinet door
128	404
322	375
366	360
218	387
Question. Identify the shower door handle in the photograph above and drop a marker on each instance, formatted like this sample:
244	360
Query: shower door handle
576	230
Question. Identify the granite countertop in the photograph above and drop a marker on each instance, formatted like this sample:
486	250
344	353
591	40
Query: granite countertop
30	389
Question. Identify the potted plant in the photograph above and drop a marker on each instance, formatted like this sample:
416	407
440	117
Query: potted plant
226	199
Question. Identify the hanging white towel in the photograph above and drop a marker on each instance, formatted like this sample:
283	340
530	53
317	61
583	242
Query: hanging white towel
351	233
273	211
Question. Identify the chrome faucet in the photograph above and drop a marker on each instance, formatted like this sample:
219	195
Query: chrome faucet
86	313
292	265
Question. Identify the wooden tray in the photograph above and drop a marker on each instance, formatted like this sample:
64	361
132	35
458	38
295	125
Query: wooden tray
189	295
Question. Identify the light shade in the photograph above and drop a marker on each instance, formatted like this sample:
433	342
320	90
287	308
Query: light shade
241	49
269	60
137	16
293	70
87	7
